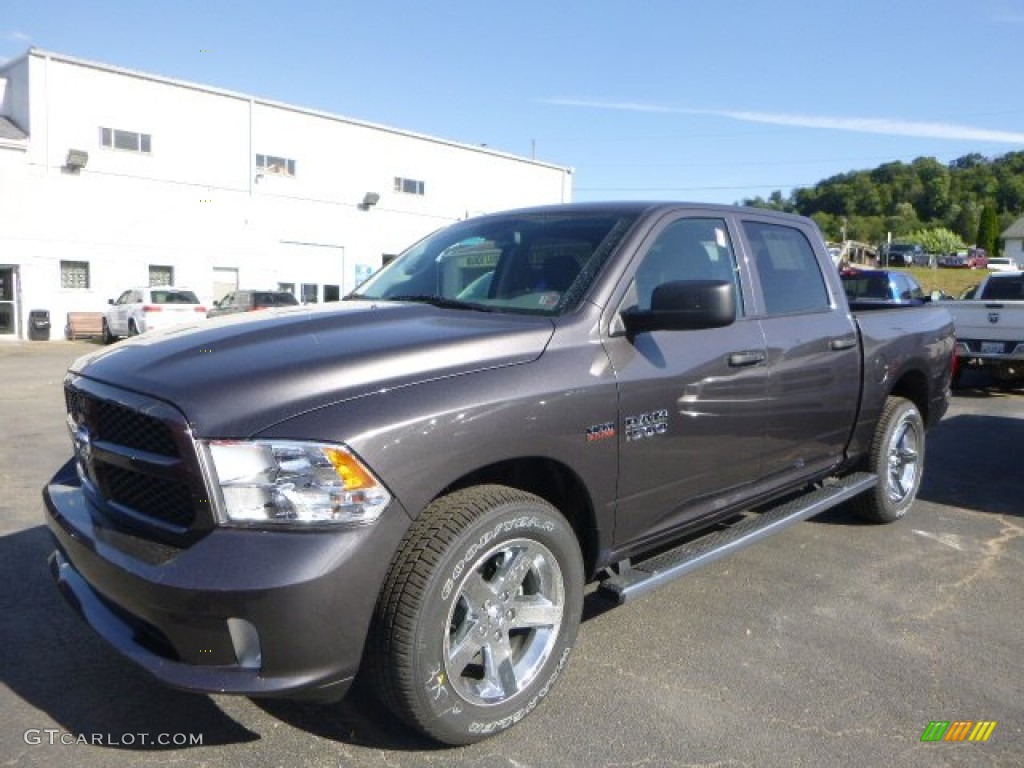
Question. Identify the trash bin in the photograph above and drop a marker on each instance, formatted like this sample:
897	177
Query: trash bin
39	325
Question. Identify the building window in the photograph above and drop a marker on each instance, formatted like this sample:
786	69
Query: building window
74	274
332	293
128	140
281	166
409	186
161	275
309	293
287	288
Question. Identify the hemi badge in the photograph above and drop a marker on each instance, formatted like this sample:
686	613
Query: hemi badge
600	431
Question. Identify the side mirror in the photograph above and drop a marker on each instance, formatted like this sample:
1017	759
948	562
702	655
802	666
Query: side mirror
685	305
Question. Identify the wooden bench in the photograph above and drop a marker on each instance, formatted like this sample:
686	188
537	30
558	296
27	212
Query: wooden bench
83	325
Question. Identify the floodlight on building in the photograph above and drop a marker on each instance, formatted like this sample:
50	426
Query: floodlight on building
370	199
76	160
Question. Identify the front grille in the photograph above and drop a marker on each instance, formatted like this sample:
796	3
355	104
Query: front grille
154	497
140	459
116	423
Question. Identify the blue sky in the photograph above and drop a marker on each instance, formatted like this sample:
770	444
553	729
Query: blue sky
707	101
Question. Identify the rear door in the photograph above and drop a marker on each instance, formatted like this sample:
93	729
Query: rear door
691	403
814	369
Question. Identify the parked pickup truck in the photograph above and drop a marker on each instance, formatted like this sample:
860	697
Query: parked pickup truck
990	326
880	289
419	486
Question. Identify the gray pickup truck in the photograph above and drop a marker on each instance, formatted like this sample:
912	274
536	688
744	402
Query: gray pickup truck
417	484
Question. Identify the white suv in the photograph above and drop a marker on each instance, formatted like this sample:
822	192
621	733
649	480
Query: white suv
1002	264
138	310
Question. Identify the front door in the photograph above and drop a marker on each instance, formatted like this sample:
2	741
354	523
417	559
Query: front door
8	301
691	420
225	281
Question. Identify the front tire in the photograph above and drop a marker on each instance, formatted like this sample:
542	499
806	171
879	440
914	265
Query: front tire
108	337
897	457
478	614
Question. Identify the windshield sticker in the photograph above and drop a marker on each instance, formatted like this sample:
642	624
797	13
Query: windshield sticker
549	299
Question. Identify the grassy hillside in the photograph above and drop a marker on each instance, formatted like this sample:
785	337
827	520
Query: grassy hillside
952	281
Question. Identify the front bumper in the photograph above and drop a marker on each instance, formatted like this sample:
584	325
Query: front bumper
244	611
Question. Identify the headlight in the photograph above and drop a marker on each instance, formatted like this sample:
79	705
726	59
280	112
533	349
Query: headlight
284	481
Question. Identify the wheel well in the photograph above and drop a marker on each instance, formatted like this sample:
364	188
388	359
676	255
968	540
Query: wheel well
552	481
914	387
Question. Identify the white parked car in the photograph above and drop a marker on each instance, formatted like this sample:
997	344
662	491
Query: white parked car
138	310
1002	264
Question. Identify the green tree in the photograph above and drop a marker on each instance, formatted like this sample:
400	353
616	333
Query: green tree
933	203
903	220
988	230
937	240
965	219
830	226
900	198
775	202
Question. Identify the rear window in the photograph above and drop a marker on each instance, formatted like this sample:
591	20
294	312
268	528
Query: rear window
867	286
173	297
791	280
1009	289
273	299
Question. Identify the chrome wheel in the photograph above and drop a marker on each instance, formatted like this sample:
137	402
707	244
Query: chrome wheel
478	614
903	456
504	622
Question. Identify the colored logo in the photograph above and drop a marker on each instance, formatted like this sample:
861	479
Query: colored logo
958	730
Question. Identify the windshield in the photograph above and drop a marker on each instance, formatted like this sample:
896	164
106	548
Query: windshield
537	263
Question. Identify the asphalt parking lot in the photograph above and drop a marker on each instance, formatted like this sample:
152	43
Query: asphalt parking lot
832	644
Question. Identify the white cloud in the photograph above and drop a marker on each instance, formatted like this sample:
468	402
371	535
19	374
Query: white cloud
18	37
881	125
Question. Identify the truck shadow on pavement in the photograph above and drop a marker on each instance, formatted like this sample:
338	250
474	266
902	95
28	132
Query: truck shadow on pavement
57	665
358	719
972	463
969	464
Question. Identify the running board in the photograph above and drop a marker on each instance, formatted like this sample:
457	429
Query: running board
645	575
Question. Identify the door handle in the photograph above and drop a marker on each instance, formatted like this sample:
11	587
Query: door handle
750	357
846	342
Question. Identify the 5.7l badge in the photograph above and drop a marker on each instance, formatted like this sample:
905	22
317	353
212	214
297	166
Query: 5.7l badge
646	425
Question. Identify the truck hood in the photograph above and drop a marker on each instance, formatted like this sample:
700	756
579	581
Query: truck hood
238	375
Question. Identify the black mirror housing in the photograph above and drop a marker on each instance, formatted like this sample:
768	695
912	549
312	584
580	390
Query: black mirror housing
685	305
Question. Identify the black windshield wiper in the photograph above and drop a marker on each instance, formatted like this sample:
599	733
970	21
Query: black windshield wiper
439	301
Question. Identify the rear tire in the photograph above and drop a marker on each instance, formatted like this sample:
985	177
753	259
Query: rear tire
133	330
897	457
478	614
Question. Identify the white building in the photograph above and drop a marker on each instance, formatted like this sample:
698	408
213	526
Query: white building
111	179
1013	242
